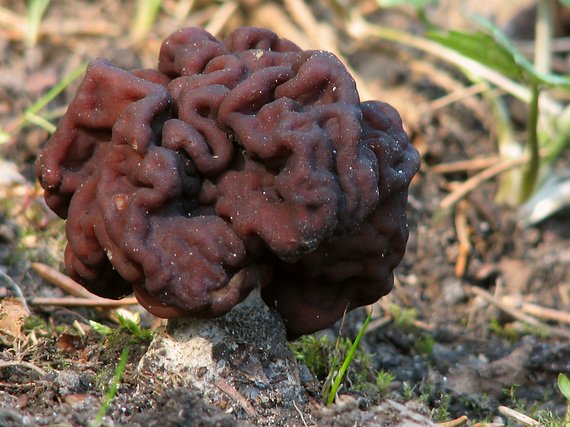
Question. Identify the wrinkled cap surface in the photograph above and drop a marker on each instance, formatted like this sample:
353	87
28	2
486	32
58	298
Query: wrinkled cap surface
237	163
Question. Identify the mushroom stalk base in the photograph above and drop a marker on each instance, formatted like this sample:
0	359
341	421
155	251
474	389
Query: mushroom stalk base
240	362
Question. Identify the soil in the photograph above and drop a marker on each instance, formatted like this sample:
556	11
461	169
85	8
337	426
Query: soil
453	332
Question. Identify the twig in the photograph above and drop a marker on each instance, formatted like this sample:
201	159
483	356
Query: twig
11	20
472	183
83	302
61	280
24	365
462	231
455	423
12	25
560	332
221	17
459	95
545	313
234	394
16	289
517	416
465	165
450	84
301	12
273	16
564	293
79	328
423	325
300	414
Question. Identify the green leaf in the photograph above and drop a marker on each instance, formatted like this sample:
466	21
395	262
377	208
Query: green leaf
482	48
493	48
564	386
525	65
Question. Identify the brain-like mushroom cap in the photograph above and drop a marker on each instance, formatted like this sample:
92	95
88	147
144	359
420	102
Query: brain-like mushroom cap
238	162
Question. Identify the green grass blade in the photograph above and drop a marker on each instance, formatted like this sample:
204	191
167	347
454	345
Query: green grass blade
564	386
40	122
36	11
119	371
145	16
56	90
347	360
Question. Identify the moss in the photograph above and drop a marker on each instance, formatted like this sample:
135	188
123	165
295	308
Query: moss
383	381
315	353
323	358
424	344
441	410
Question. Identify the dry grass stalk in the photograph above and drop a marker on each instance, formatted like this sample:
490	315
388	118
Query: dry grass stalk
518	417
465	165
462	231
541	312
518	314
84	302
462	420
324	37
28	365
234	394
476	180
62	281
221	17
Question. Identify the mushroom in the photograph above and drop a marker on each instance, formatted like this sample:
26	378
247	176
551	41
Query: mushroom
236	163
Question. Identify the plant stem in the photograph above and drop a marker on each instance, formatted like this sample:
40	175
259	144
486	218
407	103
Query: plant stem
544	32
509	149
530	173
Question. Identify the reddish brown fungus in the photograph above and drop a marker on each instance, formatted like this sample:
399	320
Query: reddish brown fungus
237	162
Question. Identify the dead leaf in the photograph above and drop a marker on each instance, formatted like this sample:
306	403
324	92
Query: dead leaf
68	342
74	399
13	314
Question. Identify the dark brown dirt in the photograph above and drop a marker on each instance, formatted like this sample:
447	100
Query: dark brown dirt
458	352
